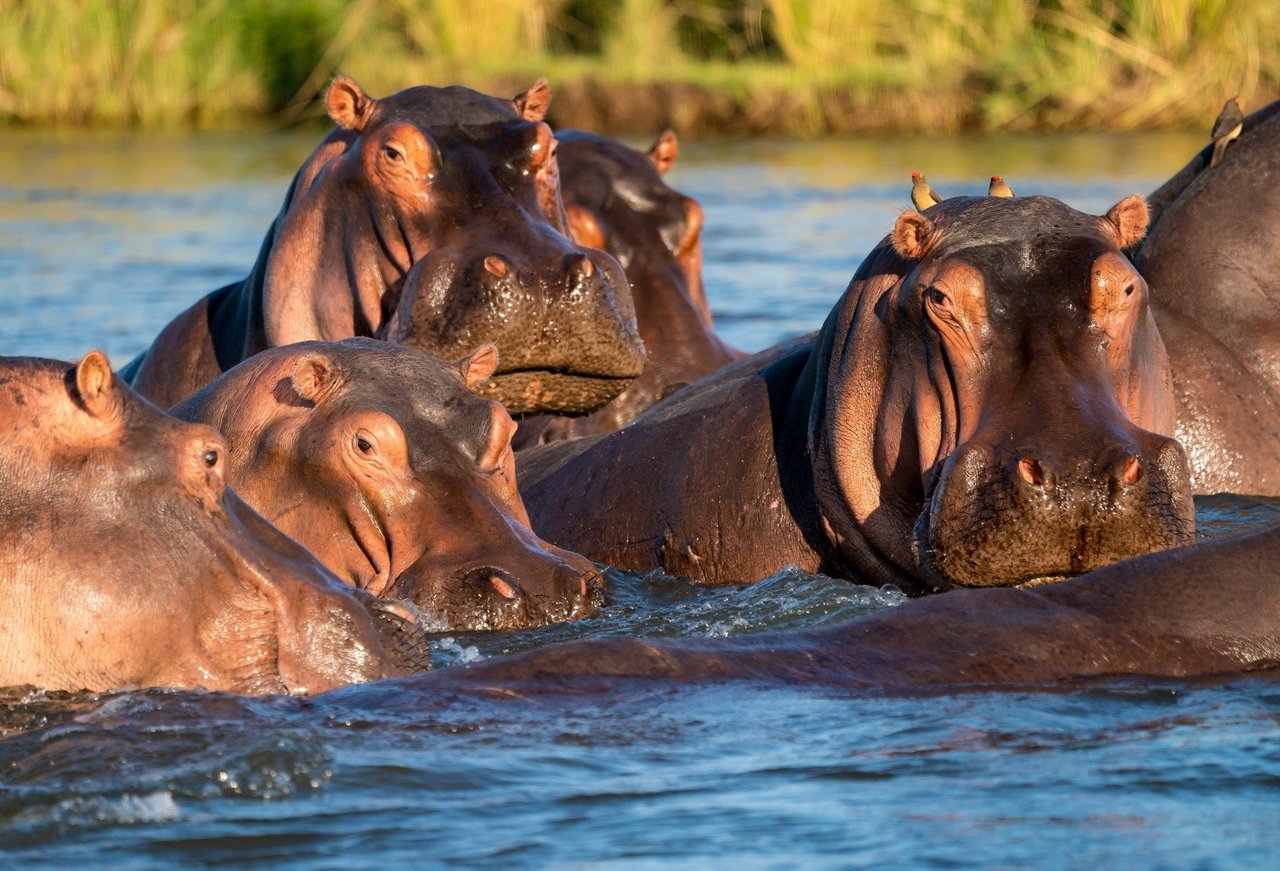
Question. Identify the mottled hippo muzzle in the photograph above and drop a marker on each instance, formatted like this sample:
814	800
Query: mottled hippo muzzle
385	464
1014	395
567	340
464	584
1035	505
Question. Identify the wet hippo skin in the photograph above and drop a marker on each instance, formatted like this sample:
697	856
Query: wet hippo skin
988	404
125	561
1212	259
384	463
1208	610
617	200
459	190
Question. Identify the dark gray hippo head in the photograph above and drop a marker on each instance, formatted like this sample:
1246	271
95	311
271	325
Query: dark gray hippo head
995	406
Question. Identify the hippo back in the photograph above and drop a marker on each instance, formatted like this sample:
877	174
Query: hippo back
1211	259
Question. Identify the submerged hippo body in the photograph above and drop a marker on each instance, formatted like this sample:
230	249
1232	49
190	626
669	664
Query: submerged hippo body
987	404
384	464
461	190
1213	264
616	200
125	562
1208	610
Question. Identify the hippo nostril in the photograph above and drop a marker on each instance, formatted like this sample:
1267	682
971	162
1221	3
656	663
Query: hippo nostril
580	267
506	590
495	266
1031	471
1132	473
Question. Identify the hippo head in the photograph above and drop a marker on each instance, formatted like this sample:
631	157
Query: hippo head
127	561
997	365
461	191
385	464
617	200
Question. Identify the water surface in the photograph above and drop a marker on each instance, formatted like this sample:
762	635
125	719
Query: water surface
104	238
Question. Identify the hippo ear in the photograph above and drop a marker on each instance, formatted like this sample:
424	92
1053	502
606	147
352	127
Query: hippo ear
1128	220
913	235
313	377
348	106
479	365
94	384
534	103
664	151
584	227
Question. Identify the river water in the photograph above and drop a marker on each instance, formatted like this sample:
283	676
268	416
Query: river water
105	237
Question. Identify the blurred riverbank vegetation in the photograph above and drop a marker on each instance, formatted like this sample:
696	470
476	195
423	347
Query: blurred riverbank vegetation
794	67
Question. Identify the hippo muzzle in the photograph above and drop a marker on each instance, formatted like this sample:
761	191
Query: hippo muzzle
486	597
563	321
999	516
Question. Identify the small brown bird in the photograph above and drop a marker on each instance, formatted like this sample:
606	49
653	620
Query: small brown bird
923	196
999	187
1226	129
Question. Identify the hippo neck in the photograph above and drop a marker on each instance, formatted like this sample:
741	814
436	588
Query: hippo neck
832	430
681	347
235	312
330	286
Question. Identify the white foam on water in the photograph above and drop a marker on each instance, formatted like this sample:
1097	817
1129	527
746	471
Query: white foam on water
459	655
96	810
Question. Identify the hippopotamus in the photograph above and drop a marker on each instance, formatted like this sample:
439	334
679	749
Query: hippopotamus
1208	610
616	199
1212	264
987	404
384	463
459	188
127	562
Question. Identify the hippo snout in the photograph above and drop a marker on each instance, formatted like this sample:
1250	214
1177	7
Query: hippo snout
489	597
1001	515
538	591
562	319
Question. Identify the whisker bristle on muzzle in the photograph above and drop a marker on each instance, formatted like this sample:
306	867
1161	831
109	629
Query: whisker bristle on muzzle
404	636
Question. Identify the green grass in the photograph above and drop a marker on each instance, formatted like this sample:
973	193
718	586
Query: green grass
815	65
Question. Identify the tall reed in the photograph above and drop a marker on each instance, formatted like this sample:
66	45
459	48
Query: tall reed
837	64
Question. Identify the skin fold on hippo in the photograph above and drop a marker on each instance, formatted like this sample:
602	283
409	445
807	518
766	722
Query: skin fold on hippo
125	562
617	200
1212	260
1190	612
460	189
385	464
987	405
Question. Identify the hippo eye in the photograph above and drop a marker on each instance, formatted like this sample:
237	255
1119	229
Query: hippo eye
211	458
393	154
937	297
363	445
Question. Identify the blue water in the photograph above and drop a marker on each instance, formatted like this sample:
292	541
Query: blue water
104	238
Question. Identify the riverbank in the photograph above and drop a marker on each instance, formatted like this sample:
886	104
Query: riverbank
757	67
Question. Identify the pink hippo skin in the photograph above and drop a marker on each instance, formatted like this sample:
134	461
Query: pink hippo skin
126	562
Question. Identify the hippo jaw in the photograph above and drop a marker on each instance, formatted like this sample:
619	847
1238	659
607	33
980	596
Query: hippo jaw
978	530
533	391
